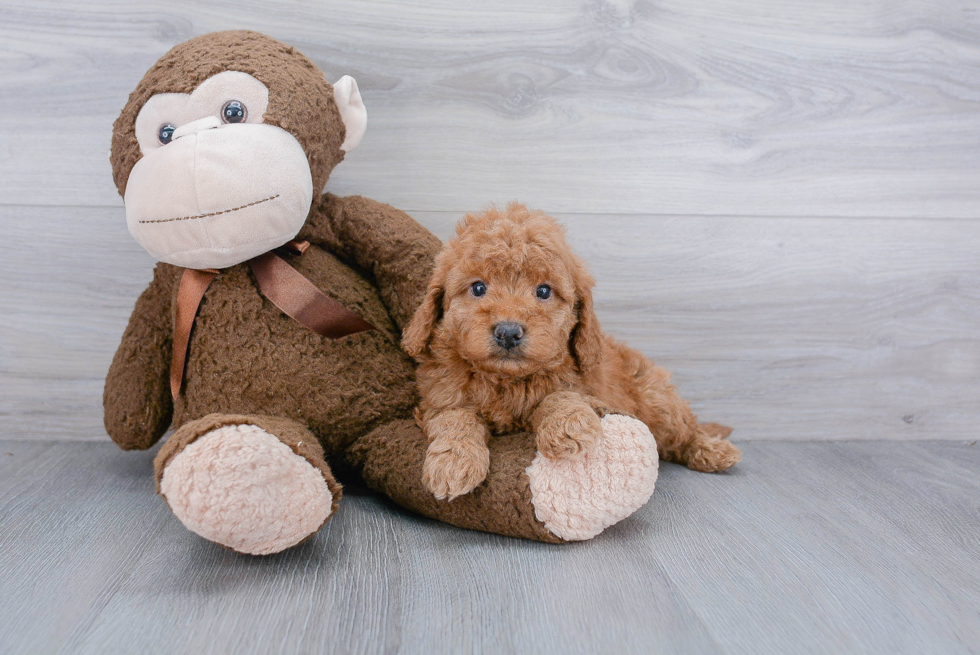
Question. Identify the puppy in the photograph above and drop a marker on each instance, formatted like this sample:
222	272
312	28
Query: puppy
507	340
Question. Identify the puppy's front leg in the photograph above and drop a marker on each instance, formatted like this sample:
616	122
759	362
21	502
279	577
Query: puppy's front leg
458	459
565	425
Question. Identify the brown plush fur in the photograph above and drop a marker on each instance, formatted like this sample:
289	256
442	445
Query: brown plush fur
247	357
250	363
557	382
391	459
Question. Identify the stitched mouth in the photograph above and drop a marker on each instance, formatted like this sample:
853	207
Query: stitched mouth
223	211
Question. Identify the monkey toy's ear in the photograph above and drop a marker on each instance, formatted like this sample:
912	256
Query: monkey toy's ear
352	110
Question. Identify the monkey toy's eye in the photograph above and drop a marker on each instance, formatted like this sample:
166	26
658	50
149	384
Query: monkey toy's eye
543	291
478	288
166	133
234	112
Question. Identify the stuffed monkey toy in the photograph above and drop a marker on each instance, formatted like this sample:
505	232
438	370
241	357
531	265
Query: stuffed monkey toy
269	335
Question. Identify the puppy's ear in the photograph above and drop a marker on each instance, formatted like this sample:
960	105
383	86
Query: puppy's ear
586	338
418	334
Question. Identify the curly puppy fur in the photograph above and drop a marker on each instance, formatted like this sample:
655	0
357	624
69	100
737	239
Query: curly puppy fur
549	369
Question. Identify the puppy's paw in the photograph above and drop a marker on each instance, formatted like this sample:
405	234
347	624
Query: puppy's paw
454	467
569	435
711	455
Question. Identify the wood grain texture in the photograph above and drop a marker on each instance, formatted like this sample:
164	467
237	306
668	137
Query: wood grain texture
768	108
785	328
806	548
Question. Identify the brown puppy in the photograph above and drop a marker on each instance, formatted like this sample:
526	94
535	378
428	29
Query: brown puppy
508	340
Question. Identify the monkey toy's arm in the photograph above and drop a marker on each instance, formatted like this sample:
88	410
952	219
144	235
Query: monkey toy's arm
137	401
381	240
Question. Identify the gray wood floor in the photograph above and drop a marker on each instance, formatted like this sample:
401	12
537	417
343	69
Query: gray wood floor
781	203
866	547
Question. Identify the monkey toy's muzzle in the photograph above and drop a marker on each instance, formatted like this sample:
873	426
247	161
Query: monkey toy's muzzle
218	195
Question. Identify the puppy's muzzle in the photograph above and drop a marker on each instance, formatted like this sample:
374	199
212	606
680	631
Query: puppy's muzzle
508	335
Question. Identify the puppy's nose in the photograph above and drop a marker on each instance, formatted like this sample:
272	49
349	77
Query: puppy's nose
507	335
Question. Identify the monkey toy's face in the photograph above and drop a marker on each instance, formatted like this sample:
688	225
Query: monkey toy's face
215	186
216	182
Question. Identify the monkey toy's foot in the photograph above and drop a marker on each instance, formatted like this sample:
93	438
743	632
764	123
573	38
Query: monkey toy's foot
576	499
256	485
525	494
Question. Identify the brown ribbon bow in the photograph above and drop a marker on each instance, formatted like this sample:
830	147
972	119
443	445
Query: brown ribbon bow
287	288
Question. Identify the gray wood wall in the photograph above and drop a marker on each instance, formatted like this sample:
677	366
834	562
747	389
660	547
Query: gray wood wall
780	200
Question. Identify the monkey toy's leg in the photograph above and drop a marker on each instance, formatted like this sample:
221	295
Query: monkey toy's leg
525	494
254	484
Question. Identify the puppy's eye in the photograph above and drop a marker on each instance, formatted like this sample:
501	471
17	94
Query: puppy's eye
478	288
543	291
234	112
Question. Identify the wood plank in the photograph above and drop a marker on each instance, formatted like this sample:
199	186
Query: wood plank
786	328
375	579
774	109
843	547
73	523
381	580
808	547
